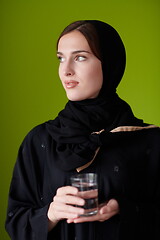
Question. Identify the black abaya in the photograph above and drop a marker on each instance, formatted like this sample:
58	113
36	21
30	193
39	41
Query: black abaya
127	164
128	167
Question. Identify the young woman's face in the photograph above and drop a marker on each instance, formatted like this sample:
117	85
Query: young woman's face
80	70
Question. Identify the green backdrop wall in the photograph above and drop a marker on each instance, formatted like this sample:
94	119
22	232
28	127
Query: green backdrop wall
31	92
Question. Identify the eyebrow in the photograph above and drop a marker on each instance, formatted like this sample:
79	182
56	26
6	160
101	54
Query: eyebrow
75	52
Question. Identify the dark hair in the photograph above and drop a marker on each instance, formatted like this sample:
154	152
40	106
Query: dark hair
89	32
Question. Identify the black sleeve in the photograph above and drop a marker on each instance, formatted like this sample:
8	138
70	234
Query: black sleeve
140	219
141	216
27	215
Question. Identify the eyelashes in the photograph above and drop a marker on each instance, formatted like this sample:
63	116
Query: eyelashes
61	59
77	58
80	58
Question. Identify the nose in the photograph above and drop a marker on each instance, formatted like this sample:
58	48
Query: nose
68	70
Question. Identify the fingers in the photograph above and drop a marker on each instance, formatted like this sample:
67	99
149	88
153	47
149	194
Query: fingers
64	204
61	211
105	212
64	195
84	219
67	190
111	207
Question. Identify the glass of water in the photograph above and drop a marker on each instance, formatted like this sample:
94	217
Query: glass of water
88	190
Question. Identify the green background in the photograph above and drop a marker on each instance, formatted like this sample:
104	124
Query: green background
31	92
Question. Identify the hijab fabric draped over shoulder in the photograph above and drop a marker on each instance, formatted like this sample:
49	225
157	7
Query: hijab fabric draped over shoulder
75	128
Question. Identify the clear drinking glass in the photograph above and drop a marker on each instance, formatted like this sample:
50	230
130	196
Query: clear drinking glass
88	190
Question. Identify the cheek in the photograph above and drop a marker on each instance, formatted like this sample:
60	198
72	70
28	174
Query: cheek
96	76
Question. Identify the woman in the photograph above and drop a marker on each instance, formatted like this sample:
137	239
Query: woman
96	132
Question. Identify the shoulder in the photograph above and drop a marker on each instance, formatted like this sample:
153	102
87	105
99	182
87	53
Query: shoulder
155	132
150	130
153	136
38	134
36	131
148	135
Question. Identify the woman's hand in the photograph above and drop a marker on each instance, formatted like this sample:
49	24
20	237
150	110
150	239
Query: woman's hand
105	212
63	205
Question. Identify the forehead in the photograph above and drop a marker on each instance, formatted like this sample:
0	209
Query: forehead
73	41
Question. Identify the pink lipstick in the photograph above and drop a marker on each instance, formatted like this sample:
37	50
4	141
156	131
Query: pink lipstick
71	83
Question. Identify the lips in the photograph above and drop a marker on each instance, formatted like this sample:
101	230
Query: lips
71	83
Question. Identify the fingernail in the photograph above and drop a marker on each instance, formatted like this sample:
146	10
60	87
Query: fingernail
82	202
69	222
81	211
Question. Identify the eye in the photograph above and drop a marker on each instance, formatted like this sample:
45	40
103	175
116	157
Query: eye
80	58
61	59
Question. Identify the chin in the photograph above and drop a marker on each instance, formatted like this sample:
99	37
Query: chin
80	97
75	98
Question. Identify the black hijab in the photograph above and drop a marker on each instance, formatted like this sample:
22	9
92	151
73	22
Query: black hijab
73	130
